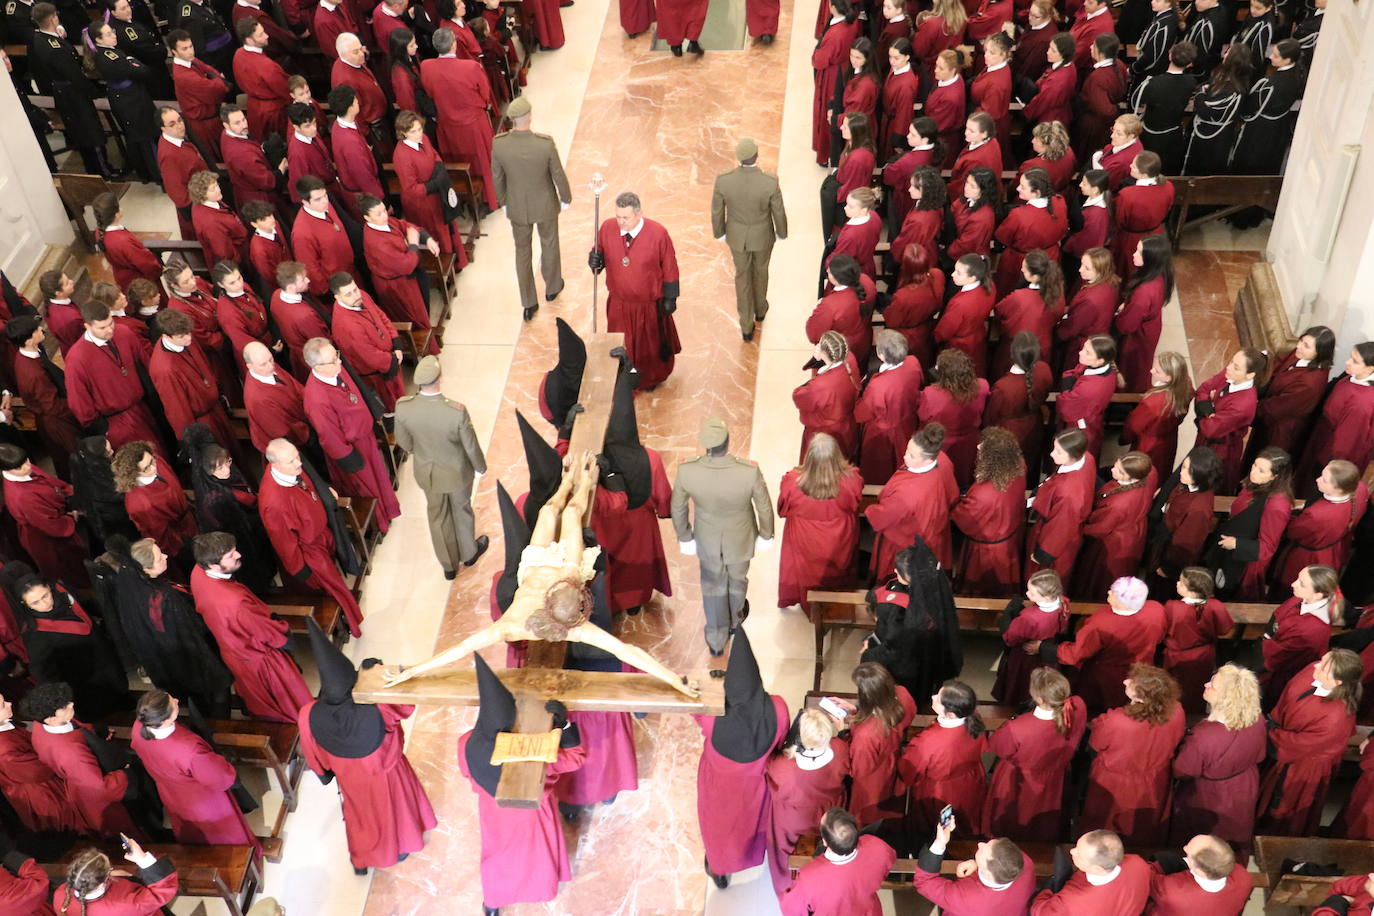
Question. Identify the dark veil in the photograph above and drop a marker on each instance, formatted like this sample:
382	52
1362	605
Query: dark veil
921	645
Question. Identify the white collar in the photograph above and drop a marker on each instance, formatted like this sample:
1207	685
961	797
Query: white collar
270	236
974	146
995	67
317	215
165	731
1318	609
1109	877
837	288
388	12
1210	885
1192	487
452	55
951	723
327	381
1104	63
383	227
1281	69
1146	182
809	762
349	124
1017	370
1032	286
148	310
1036	28
95	894
1366	381
304	139
634	233
146	481
1195	601
835	20
1302	364
838	859
1041	202
175	141
180	63
860	221
57	729
969	287
1046	715
1050	607
1098	370
1077	465
265	379
329	7
170	347
31	354
212	204
234	135
990	886
358	66
1098	201
1317	690
897	18
1117	149
924	146
1240	386
925	468
1122	612
412	144
117	227
66	301
1330	499
283	479
291	297
6	726
95	340
1096	13
250	47
223	577
901	70
824	369
351	308
8	475
948	82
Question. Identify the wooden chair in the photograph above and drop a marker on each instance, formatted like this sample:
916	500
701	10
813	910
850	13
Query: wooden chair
296	608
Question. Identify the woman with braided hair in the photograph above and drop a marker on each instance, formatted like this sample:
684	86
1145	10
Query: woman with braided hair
826	400
1017	399
91	889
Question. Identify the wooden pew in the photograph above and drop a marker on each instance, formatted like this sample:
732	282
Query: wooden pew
295	609
1354	857
466	183
230	873
77	192
1231	193
187	251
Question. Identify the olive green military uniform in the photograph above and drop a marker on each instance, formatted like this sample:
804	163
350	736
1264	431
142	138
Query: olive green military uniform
530	184
439	435
747	211
730	510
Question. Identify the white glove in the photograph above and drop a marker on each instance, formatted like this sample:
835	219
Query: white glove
720	238
477	475
762	543
1097	159
563	206
688	548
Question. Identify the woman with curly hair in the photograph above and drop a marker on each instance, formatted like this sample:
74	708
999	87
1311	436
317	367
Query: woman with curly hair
956	400
926	219
153	498
826	400
220	231
992	517
1128	784
1017	399
1050	143
975	214
820	500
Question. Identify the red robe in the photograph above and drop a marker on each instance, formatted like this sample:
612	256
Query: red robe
177	163
681	19
386	811
1126	893
992	523
873	759
1356	820
1309	734
548	24
973	229
35	792
193	781
344	426
275	411
328	25
95	797
1018	407
1288	405
1024	310
125	897
1098	104
250	176
841	310
1025	796
1105	648
633	293
392	263
887	411
253	645
825	403
300	534
1294	641
1128	785
913	503
1085	404
1216	773
314	158
462	92
64	321
281	42
1140	213
265	254
368	341
899	102
911	313
1277	511
1061	170
1028	61
1061	505
861	95
1024	229
1320	534
1089	314
298	322
129	258
353	160
1113	537
200	307
1151	427
850	888
263	79
1224	431
1188	519
828	61
799	797
48	534
637	15
221	233
964	325
988	153
186	385
1179	894
160	511
1138	326
610	767
322	246
103	384
200	91
945	104
1085	32
27	889
1054	100
1191	632
961	422
735	835
372	105
414	168
944	766
990	92
919	227
1117	164
1345	430
243	318
859	240
972	897
819	539
637	565
1094	234
1353	887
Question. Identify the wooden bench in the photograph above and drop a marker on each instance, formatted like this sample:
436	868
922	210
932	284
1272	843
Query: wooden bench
467	184
1353	857
189	252
1229	193
296	608
230	873
77	192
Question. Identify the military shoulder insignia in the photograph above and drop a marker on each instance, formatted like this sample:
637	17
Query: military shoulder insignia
53	42
10	8
130	33
111	55
186	11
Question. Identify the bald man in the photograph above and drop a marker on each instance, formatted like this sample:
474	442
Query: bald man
273	399
1108	882
1205	879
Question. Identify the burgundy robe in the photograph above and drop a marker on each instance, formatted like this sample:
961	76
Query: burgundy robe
249	174
129	258
1026	228
125	897
1179	894
946	105
314	158
1309	734
964	324
733	800
1023	310
64	321
1095	233
1288	405
1356	820
1224	430
177	162
1085	404
1026	794
1128	785
911	313
1140	213
1016	404
1191	632
264	81
414	168
828	61
95	797
253	645
1113	537
103	381
39	507
344	426
1032	624
636	15
973	229
637	565
819	539
944	766
222	235
298	322
296	525
1061	505
462	92
1105	648
993	523
1138	326
1294	641
186	385
851	888
56	424
159	510
873	759
367	339
323	247
1345	430
969	896
1321	533
265	254
33	790
610	766
961	423
26	890
372	105
243	318
1216	773
633	294
1089	314
800	797
1126	893
1152	428
353	160
193	781
826	402
200	90
200	307
988	153
392	263
1188	520
275	411
840	310
912	504
1353	887
887	412
899	102
1273	522
329	24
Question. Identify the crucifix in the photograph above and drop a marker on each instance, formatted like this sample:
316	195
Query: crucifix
553	576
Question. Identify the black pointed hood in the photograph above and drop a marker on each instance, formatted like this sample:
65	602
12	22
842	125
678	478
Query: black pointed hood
546	469
563	382
339	725
516	534
627	457
495	714
750	725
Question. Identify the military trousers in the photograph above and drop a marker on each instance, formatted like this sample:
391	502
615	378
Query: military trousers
452	527
724	587
550	264
751	286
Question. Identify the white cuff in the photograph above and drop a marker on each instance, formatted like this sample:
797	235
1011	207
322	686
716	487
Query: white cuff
477	475
563	206
720	238
146	860
688	548
762	543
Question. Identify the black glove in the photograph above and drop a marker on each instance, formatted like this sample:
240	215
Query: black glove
1042	558
1170	862
559	713
812	363
1337	903
370	663
303	574
667	306
1066	382
596	260
351	463
327	777
1063	870
1205	408
572	736
394	368
565	431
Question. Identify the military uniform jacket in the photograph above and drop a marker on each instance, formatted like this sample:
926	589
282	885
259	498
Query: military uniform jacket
208	33
138	41
132	105
18	22
439	435
730	506
528	176
56	68
746	208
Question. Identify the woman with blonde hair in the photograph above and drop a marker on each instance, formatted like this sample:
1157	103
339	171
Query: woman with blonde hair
820	500
992	517
1128	784
1114	532
1092	305
1028	59
877	724
956	401
805	781
947	101
1152	426
858	235
1300	630
826	400
1050	143
1025	623
939	29
1026	793
1216	768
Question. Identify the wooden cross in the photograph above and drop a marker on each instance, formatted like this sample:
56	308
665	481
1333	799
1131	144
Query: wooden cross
544	678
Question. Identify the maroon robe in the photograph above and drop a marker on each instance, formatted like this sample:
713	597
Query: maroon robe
1026	228
186	386
1321	533
298	322
923	227
296	525
329	24
636	15
1126	893
851	888
841	310
819	540
1273	522
887	412
27	889
1085	404
1095	233
610	766
800	797
1140	213
828	61
1105	648
1032	624
386	811
1189	518
33	790
1113	537
1345	430
1224	430
1216	773
945	105
159	510
462	92
103	381
367	339
253	645
125	897
354	162
1294	641
548	24
392	263
873	759
1356	820
414	168
193	781
1024	310
913	503
39	507
961	422
987	153
200	90
243	319
1128	785
177	163
323	247
222	235
1138	326
129	258
313	157
64	321
344	426
265	254
969	896
1089	314
634	291
825	403
95	797
911	313
281	42
990	91
1191	632
1016	404
1152	428
963	325
1309	734
1353	887
1117	164
993	522
944	766
899	102
1179	894
1288	405
636	564
264	81
973	229
1026	794
372	105
1061	505
735	834
681	19
275	411
249	174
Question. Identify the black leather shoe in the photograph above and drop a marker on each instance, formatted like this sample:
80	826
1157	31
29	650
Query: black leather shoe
360	872
490	911
748	335
744	611
450	574
550	295
633	611
722	881
484	542
695	48
676	49
529	312
765	39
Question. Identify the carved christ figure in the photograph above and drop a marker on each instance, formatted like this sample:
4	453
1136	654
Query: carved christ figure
552	602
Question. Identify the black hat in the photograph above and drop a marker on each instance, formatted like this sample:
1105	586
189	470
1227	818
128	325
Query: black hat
546	469
749	727
622	449
563	382
338	724
516	533
495	714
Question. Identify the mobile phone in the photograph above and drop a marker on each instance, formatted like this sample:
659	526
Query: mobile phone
124	842
947	816
832	706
